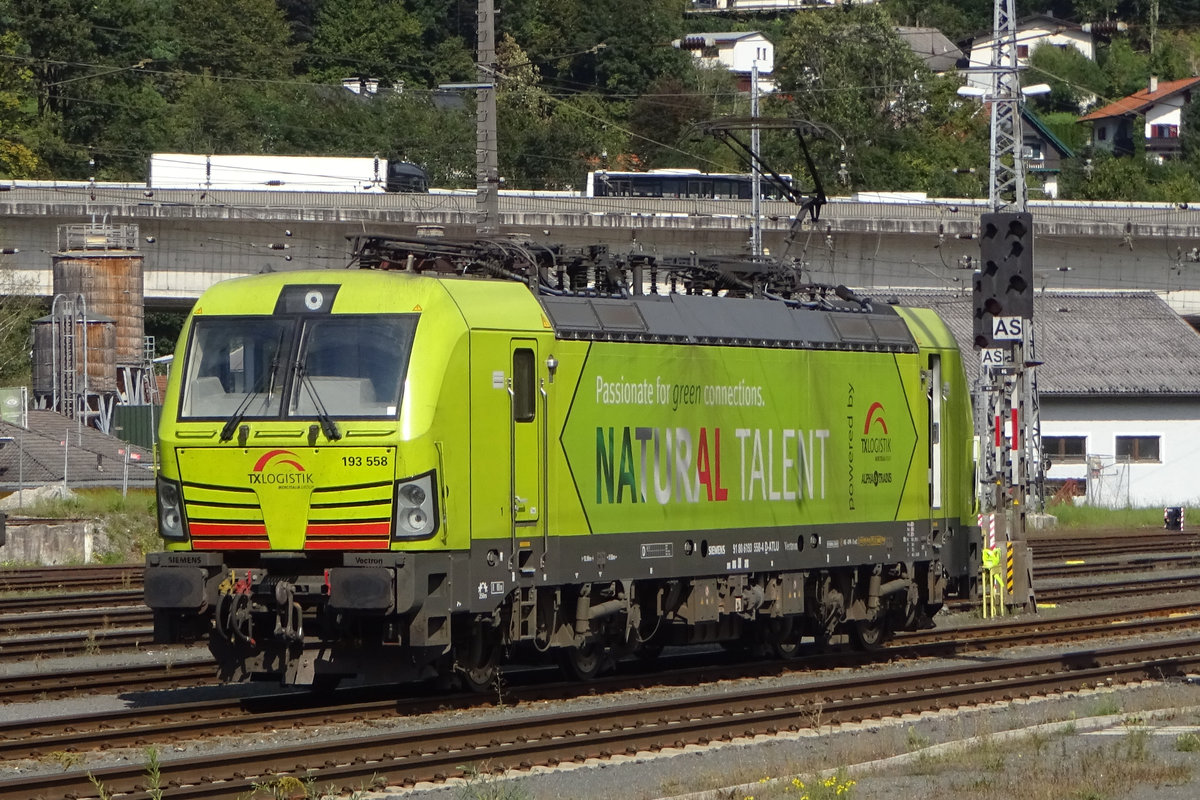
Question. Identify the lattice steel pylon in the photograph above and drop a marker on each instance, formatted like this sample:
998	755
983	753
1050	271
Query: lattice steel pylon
1008	416
1007	168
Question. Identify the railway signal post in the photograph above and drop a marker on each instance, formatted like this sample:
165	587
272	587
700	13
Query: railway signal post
1006	408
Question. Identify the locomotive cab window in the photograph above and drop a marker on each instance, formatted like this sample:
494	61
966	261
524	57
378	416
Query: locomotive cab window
296	366
233	364
524	386
351	366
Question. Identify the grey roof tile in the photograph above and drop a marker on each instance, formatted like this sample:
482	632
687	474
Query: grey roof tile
35	456
1110	343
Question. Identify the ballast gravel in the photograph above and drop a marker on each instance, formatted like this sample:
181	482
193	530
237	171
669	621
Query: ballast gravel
725	771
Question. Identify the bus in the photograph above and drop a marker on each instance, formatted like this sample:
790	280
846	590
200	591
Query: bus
680	183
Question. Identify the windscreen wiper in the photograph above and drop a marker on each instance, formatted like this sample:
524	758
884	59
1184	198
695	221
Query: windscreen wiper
240	412
328	426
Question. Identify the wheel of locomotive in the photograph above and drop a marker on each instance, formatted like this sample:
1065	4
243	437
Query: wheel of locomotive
479	674
582	663
480	679
782	638
870	635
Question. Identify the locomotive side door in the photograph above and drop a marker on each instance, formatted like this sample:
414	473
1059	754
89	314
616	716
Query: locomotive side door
934	392
527	427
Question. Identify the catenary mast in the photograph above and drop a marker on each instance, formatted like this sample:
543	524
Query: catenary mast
1007	413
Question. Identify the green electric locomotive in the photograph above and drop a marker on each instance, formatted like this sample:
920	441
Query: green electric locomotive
461	451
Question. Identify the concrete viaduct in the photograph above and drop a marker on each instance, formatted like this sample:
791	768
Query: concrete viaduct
191	239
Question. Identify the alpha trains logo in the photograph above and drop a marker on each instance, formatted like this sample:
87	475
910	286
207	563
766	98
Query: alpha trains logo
280	468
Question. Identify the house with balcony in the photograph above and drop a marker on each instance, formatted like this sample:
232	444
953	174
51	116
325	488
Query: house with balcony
1155	114
1034	31
736	51
1044	154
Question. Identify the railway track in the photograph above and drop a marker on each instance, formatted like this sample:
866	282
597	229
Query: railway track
1074	568
214	717
1093	546
196	670
124	576
576	734
109	629
69	601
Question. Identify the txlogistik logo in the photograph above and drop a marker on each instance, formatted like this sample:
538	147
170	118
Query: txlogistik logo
278	469
876	444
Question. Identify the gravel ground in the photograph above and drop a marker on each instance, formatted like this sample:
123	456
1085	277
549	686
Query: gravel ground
1102	729
1124	739
898	758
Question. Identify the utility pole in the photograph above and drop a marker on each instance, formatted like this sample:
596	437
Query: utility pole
1007	412
487	159
756	244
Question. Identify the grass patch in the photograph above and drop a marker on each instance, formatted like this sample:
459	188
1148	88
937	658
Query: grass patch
1084	517
1050	770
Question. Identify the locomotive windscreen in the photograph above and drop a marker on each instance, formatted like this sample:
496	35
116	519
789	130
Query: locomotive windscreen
344	365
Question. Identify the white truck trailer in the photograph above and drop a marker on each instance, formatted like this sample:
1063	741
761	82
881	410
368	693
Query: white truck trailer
283	173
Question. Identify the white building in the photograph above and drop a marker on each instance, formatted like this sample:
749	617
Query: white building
1160	104
1032	32
736	51
1119	393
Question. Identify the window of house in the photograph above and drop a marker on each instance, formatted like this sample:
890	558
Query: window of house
1065	449
1164	131
1102	134
1022	51
1138	448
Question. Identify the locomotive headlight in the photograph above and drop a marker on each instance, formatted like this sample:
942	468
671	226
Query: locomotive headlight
416	508
413	494
171	523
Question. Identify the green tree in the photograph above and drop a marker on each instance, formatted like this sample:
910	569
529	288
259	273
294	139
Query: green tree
660	120
1126	70
17	159
956	20
619	47
1106	177
234	38
852	74
59	38
19	307
366	38
1074	79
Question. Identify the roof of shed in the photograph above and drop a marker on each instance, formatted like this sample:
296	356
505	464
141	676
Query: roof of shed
35	456
1090	343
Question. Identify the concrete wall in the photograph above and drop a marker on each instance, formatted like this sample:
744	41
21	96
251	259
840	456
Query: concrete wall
50	545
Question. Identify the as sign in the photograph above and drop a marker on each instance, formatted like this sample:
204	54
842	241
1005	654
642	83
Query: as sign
996	357
1007	329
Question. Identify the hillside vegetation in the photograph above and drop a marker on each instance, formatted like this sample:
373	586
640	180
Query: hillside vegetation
92	88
